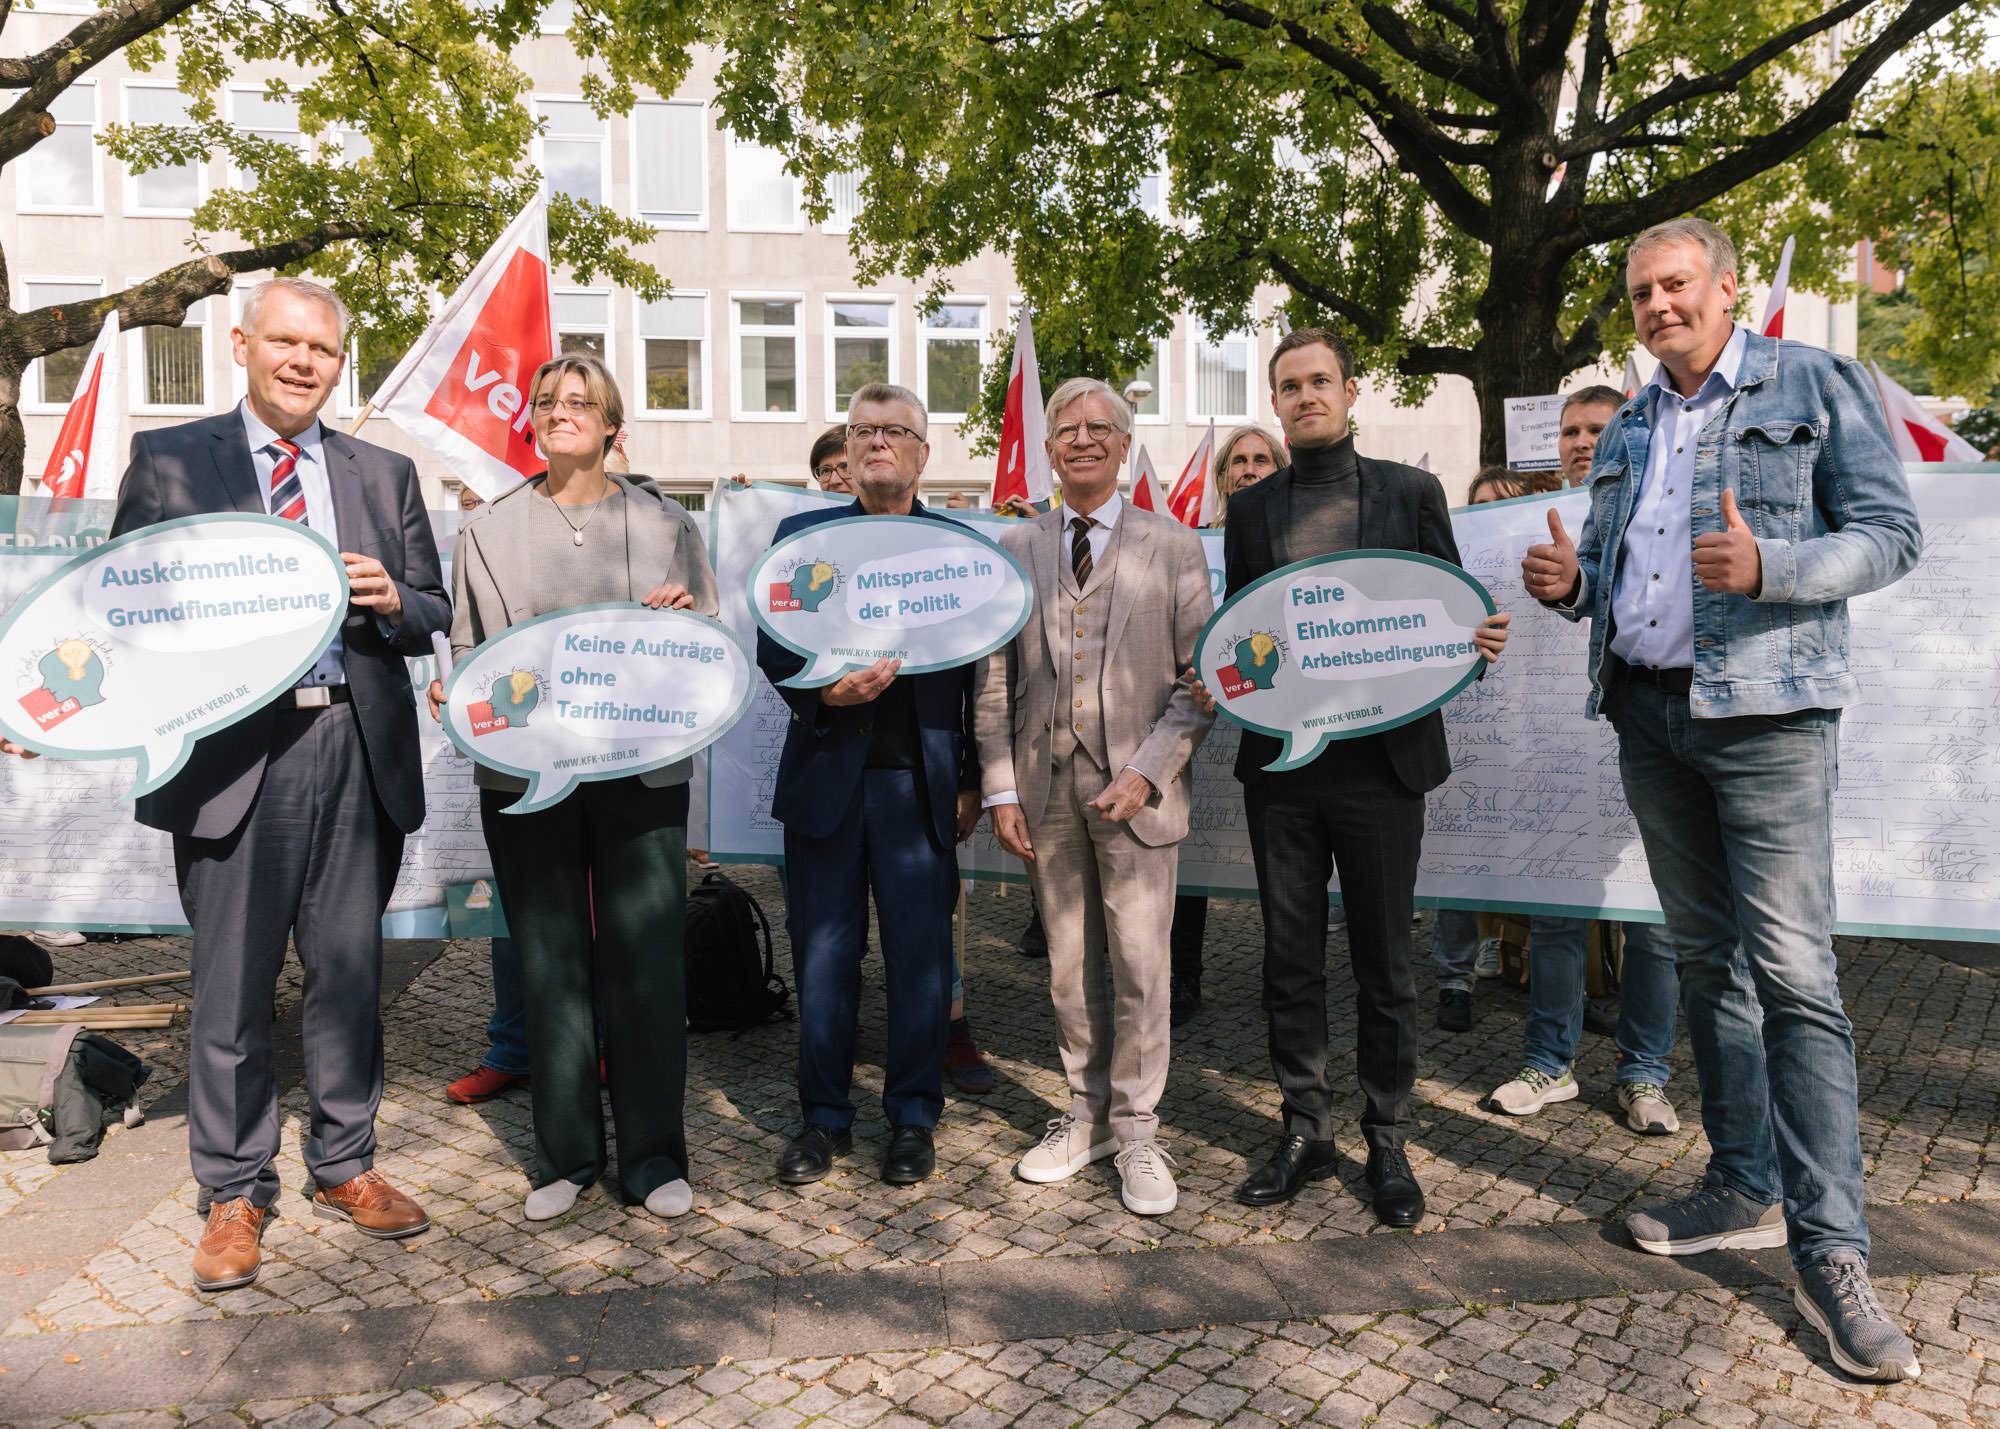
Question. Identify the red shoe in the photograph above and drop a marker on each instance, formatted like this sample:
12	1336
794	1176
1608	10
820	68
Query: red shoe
484	1084
962	1062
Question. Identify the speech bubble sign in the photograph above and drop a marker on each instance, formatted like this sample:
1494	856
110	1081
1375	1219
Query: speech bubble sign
596	692
847	593
1342	646
140	646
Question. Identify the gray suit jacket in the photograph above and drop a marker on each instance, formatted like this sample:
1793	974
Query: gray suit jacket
492	586
1152	721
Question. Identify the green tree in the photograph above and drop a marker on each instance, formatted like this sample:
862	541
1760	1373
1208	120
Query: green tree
1452	182
416	155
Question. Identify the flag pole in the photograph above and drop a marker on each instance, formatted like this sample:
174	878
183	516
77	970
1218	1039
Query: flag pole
366	412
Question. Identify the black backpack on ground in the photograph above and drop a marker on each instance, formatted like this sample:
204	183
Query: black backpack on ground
732	983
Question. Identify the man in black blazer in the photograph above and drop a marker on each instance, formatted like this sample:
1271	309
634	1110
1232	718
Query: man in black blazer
877	786
291	822
1358	807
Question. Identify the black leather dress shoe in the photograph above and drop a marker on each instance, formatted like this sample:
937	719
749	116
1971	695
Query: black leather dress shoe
1183	1002
809	1155
1454	1010
911	1156
1399	1200
1296	1161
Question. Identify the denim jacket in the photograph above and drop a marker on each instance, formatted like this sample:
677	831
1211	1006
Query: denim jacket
1803	444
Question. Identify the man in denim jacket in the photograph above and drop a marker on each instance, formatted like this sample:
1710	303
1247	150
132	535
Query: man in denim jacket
1735	504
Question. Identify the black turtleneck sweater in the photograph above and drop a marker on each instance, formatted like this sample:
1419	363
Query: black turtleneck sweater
1326	502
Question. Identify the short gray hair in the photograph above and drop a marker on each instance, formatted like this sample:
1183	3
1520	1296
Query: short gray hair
1077	388
1712	241
253	305
890	392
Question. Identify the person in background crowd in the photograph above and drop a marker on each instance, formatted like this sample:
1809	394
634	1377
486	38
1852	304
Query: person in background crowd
829	460
289	825
1246	456
1586	412
504	1068
615	460
594	887
1718	650
1457	951
877	785
1084	742
1359	806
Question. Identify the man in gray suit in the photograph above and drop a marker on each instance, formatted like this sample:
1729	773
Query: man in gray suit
1086	722
291	822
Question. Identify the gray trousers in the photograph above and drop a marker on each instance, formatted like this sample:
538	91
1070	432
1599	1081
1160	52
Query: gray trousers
315	859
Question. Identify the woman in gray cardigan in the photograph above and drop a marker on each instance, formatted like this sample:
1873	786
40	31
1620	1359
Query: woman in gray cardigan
594	888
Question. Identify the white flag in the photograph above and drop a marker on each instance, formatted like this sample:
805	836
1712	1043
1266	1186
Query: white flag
85	459
1192	501
1146	492
1774	306
1023	468
1919	436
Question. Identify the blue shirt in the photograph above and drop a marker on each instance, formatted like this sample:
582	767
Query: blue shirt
1652	606
331	668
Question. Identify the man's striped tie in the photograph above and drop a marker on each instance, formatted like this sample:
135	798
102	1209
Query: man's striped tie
288	496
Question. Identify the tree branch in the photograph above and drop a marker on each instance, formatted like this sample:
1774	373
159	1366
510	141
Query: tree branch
1419	360
49	73
1501	41
1429	53
1465	20
1698	86
1587	341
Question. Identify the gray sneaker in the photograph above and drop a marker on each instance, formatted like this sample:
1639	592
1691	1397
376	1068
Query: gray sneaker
1647	1110
1713	1218
1835	1297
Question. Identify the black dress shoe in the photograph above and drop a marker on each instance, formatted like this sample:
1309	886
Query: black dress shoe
1399	1200
1296	1161
1600	1016
1183	1002
1454	1010
911	1156
1034	940
809	1155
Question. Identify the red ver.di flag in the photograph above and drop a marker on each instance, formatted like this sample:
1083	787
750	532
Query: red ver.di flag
462	391
85	459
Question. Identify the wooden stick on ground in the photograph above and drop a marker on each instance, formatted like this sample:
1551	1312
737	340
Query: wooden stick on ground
109	982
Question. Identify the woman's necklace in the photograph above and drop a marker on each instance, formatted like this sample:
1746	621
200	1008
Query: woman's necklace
576	531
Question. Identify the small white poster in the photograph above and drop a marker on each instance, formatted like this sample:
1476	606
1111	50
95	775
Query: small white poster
1533	425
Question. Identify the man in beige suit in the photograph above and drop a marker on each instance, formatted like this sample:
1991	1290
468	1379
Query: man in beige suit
1086	723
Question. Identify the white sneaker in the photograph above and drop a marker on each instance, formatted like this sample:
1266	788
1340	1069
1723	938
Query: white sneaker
1532	1090
675	1198
1067	1149
1486	963
1647	1110
49	938
545	1203
1145	1184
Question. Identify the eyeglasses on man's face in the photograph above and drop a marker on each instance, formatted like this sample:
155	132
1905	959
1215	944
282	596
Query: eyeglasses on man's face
1070	433
865	432
575	406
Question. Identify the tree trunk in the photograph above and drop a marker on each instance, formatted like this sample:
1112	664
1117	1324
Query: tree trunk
1519	353
13	438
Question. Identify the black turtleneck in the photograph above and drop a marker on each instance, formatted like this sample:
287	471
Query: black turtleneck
1326	501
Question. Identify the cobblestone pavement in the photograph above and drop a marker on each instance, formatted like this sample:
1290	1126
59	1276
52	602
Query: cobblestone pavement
1928	1110
1713	1358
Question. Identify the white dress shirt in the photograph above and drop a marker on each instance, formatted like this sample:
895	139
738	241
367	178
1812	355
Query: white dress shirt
331	668
1652	606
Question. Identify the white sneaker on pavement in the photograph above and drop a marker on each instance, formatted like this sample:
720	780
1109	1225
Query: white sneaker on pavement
1145	1184
1486	962
1068	1147
1647	1110
1531	1090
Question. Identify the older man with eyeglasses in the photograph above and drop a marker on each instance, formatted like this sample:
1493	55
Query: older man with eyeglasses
877	785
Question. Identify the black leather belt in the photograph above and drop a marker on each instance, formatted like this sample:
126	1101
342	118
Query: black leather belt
316	697
1667	682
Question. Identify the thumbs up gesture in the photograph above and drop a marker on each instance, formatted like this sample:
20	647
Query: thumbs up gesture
1550	572
1728	560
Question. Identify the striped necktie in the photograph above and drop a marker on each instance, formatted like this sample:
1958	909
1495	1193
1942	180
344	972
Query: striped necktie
1079	549
288	494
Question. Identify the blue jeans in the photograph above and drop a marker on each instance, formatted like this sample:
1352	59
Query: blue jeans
507	1029
1454	947
1649	994
1736	816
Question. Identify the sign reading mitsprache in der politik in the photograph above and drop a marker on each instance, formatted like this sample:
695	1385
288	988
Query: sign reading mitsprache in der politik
596	692
1342	646
140	646
847	593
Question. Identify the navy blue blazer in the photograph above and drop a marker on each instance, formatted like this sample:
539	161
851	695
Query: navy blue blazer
203	467
826	746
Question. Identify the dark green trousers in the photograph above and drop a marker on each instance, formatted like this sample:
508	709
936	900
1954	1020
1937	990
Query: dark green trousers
612	855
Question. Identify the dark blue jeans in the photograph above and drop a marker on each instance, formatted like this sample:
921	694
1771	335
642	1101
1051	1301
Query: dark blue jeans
1648	998
507	1028
1736	816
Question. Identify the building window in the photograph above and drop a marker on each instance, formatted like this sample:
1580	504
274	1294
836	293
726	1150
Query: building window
767	358
263	116
673	352
1153	409
862	341
174	190
556	16
583	321
670	170
370	360
954	352
51	380
60	173
843	191
572	151
762	196
1219	374
173	364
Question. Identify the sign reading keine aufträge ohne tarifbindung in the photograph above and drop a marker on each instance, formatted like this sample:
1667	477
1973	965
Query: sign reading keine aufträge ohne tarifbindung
140	646
1342	646
847	593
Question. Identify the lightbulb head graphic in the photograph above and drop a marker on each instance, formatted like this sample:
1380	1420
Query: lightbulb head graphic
521	693
73	671
812	583
1261	666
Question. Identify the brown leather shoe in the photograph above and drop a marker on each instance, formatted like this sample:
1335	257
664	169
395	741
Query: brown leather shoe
229	1254
375	1207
